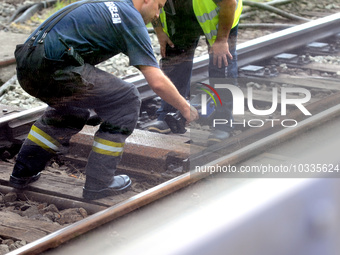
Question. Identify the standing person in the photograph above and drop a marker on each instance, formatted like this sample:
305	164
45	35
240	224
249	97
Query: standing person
179	28
49	68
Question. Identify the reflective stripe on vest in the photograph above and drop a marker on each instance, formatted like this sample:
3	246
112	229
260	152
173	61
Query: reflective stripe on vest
162	16
42	139
207	13
107	147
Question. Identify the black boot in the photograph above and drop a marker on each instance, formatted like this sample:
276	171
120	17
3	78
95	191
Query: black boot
95	189
22	176
30	162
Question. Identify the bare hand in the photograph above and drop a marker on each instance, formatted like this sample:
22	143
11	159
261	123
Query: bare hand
220	49
163	40
191	115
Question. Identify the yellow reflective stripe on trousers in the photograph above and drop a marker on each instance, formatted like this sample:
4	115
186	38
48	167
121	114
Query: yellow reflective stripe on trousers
106	147
42	139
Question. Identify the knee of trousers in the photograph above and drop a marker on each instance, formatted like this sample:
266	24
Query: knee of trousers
74	118
125	121
131	113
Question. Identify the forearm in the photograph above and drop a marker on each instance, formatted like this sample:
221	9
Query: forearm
226	18
164	88
163	38
157	26
168	92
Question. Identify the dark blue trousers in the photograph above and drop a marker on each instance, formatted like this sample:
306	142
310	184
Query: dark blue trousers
178	63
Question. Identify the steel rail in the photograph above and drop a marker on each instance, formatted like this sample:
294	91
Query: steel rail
260	48
23	114
57	238
289	39
250	135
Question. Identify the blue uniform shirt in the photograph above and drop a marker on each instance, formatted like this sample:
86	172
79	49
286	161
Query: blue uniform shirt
100	30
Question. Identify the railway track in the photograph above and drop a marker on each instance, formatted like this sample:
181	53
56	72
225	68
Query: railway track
276	201
282	59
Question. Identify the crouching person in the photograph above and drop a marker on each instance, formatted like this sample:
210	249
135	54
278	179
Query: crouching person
57	65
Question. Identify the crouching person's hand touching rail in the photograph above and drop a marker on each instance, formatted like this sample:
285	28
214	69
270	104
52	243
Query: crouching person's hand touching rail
163	87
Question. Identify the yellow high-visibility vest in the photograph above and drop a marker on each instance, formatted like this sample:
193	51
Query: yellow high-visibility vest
207	14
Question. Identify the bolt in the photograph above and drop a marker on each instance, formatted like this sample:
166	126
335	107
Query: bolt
300	60
266	71
170	167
